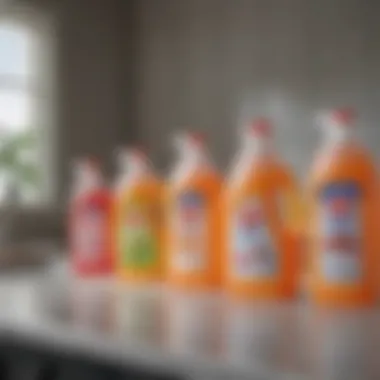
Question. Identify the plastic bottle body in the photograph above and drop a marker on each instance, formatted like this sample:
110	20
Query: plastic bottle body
262	245
343	217
261	224
90	225
345	274
194	229
193	235
138	232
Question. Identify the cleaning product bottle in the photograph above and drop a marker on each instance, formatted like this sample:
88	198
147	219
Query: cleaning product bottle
261	220
343	216
90	226
138	219
194	217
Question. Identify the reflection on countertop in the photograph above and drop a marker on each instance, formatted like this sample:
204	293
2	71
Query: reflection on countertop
205	331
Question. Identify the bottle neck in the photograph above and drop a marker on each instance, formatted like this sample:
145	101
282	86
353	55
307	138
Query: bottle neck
338	135
337	127
257	146
192	157
134	165
87	180
195	156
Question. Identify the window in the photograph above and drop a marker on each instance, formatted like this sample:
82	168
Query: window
23	99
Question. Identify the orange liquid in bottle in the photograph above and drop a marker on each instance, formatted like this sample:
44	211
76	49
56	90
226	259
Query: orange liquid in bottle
194	219
343	218
261	214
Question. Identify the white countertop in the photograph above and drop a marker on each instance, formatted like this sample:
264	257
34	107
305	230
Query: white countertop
199	336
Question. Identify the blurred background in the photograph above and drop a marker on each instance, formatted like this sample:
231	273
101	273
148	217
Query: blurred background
86	76
83	77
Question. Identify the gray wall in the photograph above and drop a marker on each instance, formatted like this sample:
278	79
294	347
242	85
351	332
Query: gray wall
139	69
90	69
91	76
210	63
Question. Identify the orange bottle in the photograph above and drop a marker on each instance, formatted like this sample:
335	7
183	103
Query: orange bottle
343	229
138	219
261	221
194	217
90	218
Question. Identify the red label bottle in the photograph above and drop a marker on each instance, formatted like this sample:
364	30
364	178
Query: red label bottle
90	230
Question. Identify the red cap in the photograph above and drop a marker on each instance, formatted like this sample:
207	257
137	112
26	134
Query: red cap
196	138
90	162
137	152
343	115
261	127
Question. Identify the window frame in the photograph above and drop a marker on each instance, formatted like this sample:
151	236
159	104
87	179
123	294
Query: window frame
41	23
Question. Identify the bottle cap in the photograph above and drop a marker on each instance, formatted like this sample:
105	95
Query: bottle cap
192	154
196	139
339	117
134	162
88	163
137	153
260	127
189	142
87	174
344	116
126	155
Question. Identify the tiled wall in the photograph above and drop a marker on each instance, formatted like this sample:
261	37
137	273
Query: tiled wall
90	90
144	68
91	112
211	63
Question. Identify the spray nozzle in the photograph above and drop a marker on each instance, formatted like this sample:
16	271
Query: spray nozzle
196	139
129	155
338	117
260	127
133	160
187	142
337	124
87	172
137	155
343	116
87	165
192	153
256	137
191	138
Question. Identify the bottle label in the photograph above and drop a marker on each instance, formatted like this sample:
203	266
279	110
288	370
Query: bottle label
90	233
340	231
253	250
190	226
138	234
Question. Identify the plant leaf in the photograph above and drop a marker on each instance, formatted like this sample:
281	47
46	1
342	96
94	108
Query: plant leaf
13	166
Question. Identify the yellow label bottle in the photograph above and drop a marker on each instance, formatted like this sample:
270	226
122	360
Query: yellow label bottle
138	219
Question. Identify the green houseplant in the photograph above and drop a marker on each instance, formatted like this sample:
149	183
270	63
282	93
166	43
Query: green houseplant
20	182
19	172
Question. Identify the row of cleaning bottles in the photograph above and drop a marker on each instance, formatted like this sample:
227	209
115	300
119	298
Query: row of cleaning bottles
253	235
